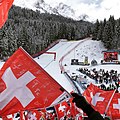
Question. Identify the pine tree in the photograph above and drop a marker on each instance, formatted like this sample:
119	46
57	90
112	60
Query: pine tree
72	33
117	34
107	36
96	29
12	42
100	31
31	29
112	27
24	40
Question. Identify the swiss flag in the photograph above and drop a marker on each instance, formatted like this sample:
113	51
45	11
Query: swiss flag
5	5
68	108
98	98
75	111
24	85
8	117
35	115
50	116
62	109
114	108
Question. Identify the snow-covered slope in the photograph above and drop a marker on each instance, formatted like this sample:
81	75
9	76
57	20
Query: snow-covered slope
87	47
52	66
64	49
67	51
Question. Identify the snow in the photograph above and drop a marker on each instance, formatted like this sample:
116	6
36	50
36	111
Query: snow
69	50
87	47
52	67
43	7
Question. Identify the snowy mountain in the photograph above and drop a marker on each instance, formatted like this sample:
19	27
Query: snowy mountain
45	8
66	10
58	9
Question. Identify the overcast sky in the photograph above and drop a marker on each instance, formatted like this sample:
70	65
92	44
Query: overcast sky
96	9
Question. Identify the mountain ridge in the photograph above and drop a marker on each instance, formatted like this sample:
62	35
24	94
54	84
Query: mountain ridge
60	9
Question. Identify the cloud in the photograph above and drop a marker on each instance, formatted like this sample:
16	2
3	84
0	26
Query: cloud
98	9
111	7
97	2
95	9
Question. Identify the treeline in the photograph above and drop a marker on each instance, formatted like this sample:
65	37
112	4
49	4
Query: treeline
108	31
35	31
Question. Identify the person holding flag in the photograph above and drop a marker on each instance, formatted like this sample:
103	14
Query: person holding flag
81	102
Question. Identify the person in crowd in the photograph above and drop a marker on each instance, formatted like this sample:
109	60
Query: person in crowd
86	107
103	77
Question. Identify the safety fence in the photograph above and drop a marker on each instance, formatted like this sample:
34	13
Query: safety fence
46	49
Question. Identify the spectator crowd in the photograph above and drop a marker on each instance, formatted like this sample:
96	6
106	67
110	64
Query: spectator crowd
106	80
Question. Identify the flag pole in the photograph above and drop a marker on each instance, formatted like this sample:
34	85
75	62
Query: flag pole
109	102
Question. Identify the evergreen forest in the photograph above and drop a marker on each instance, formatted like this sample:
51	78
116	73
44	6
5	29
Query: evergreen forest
108	31
34	31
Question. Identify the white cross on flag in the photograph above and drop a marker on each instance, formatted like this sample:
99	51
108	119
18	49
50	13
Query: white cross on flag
114	108
62	110
67	108
97	98
25	85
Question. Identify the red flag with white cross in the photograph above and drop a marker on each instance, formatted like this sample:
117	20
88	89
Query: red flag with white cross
62	109
98	98
26	85
114	108
68	109
5	5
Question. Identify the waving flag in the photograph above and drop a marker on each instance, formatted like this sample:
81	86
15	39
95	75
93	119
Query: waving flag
114	109
25	85
68	108
8	117
5	5
33	114
76	112
98	98
62	109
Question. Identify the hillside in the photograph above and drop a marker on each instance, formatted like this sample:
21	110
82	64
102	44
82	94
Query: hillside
34	31
59	8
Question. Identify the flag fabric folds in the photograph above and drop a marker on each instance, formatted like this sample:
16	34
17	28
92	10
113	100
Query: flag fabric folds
25	85
69	110
98	98
5	5
106	102
114	109
62	109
